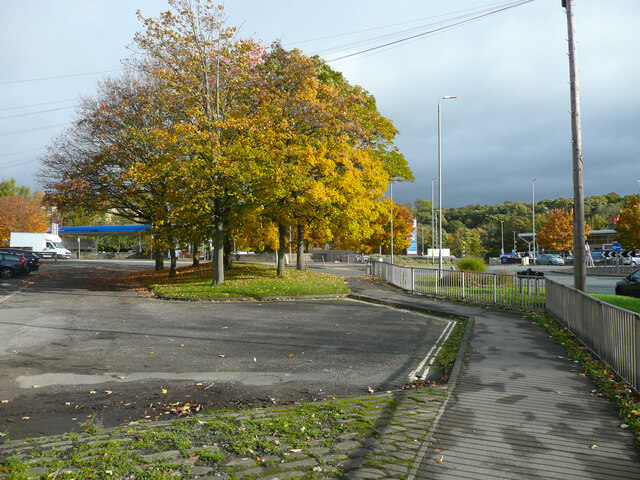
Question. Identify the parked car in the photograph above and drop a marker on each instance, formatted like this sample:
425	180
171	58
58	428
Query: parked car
33	261
631	261
629	286
12	265
549	259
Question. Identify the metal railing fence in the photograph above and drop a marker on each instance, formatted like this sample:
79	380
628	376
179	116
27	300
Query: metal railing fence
612	333
484	288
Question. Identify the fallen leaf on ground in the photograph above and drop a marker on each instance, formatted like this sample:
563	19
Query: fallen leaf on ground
25	418
91	392
295	450
67	403
150	353
5	401
441	459
437	450
371	390
108	392
35	386
164	390
291	355
593	447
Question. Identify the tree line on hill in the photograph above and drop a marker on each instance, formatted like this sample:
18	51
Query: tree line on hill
476	229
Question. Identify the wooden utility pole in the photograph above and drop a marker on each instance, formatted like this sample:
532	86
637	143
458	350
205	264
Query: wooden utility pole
579	252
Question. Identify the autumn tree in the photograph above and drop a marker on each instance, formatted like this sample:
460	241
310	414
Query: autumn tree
325	153
209	76
119	157
628	226
20	214
381	224
556	230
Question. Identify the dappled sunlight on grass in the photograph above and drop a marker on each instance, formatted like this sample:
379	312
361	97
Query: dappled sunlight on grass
242	280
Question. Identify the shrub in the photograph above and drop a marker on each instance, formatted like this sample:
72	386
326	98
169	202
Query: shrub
471	264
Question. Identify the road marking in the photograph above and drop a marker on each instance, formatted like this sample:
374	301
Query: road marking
431	356
19	289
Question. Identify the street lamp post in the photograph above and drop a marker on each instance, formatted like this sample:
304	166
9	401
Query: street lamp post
502	236
391	216
446	97
433	245
638	181
533	214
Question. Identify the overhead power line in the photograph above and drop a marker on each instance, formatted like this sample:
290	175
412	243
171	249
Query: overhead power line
39	104
58	76
16	132
22	161
37	113
432	31
20	153
416	20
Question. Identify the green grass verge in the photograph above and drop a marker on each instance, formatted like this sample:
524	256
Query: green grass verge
449	351
608	384
242	280
628	303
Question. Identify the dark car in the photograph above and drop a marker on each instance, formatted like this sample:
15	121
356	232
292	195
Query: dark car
12	264
33	261
629	286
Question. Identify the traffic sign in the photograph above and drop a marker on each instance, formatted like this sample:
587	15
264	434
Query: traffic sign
616	247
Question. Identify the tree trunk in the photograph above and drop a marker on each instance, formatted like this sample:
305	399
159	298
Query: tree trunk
300	265
282	239
174	260
196	255
158	254
228	251
218	248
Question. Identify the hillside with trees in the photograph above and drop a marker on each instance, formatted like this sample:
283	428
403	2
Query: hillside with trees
477	227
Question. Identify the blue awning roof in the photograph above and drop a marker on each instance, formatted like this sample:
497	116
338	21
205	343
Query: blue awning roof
104	230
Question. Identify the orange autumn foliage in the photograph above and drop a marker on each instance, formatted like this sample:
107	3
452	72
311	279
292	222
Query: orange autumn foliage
19	214
557	230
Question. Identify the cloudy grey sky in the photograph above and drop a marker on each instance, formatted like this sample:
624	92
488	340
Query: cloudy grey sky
509	124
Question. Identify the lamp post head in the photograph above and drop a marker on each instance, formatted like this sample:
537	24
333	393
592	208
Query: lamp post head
447	97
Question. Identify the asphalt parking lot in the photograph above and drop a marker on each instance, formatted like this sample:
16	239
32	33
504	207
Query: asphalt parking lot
77	341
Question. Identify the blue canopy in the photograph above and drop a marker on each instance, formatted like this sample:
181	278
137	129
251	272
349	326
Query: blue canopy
104	230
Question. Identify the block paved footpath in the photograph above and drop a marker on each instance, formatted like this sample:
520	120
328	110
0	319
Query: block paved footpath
520	409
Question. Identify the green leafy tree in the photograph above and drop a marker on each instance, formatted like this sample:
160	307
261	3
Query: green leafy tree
8	188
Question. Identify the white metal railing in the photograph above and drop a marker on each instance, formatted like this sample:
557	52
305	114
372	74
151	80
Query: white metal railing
612	333
487	288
